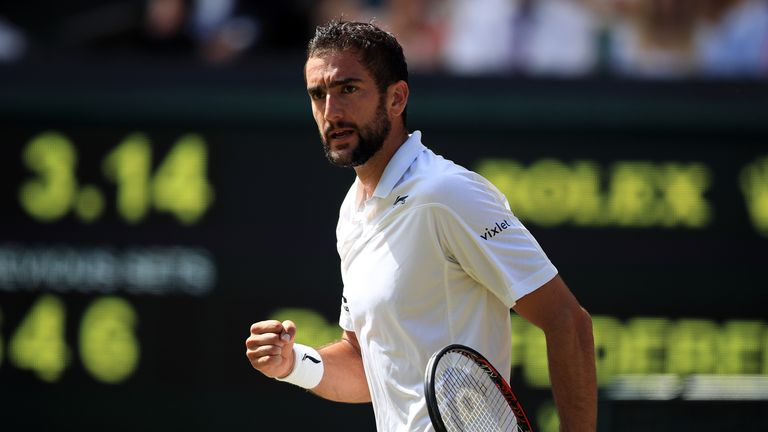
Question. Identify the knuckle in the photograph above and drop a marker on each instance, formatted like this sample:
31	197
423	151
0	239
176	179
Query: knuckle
269	350
265	326
251	343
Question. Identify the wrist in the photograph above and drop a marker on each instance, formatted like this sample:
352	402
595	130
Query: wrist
307	369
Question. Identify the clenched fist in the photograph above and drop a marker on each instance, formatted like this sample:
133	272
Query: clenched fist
269	348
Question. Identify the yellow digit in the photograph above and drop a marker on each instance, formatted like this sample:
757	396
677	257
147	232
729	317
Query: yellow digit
108	346
181	185
49	197
128	165
38	344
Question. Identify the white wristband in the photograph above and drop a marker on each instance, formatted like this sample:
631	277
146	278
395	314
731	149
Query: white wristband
307	367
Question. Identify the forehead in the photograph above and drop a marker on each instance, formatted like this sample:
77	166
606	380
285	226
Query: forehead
326	67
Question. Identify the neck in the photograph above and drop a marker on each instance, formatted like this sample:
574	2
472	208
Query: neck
370	172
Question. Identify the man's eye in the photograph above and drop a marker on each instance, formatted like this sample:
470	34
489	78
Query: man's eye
349	89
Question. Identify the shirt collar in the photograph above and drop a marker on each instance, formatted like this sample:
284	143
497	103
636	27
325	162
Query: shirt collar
400	162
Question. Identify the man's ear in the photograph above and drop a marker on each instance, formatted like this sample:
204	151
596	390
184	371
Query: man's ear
397	98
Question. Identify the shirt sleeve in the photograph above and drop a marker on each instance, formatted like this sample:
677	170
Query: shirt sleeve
478	231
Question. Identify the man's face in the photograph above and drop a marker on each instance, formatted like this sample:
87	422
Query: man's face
349	110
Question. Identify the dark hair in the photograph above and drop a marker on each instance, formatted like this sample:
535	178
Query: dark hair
378	51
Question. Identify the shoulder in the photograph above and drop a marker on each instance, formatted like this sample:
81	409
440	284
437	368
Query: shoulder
455	187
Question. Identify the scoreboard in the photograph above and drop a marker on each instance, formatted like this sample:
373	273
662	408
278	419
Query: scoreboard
144	228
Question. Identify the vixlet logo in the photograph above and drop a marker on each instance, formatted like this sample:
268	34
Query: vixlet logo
495	230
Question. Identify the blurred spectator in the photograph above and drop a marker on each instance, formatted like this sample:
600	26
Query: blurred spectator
221	31
417	24
13	42
654	38
733	38
680	38
284	26
567	38
350	10
537	37
211	31
128	30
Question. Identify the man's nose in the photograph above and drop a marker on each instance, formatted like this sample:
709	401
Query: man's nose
333	108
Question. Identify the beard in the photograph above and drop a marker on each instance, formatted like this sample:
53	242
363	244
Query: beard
370	138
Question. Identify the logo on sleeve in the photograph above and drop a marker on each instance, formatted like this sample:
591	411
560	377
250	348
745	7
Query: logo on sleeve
495	230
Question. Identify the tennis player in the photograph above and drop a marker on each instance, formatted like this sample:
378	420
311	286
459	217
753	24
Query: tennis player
430	255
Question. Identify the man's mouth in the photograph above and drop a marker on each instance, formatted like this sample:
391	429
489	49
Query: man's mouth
338	134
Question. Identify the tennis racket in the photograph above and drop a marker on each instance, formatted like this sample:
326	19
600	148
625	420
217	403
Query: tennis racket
466	393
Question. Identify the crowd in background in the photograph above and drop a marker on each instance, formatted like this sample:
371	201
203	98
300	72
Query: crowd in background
563	38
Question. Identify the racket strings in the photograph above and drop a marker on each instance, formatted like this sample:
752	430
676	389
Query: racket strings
475	408
469	397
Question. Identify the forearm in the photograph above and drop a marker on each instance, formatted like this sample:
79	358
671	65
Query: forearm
572	373
344	376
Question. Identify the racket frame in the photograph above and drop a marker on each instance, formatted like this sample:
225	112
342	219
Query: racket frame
498	380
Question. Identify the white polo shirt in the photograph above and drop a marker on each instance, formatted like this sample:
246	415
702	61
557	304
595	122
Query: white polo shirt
434	257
